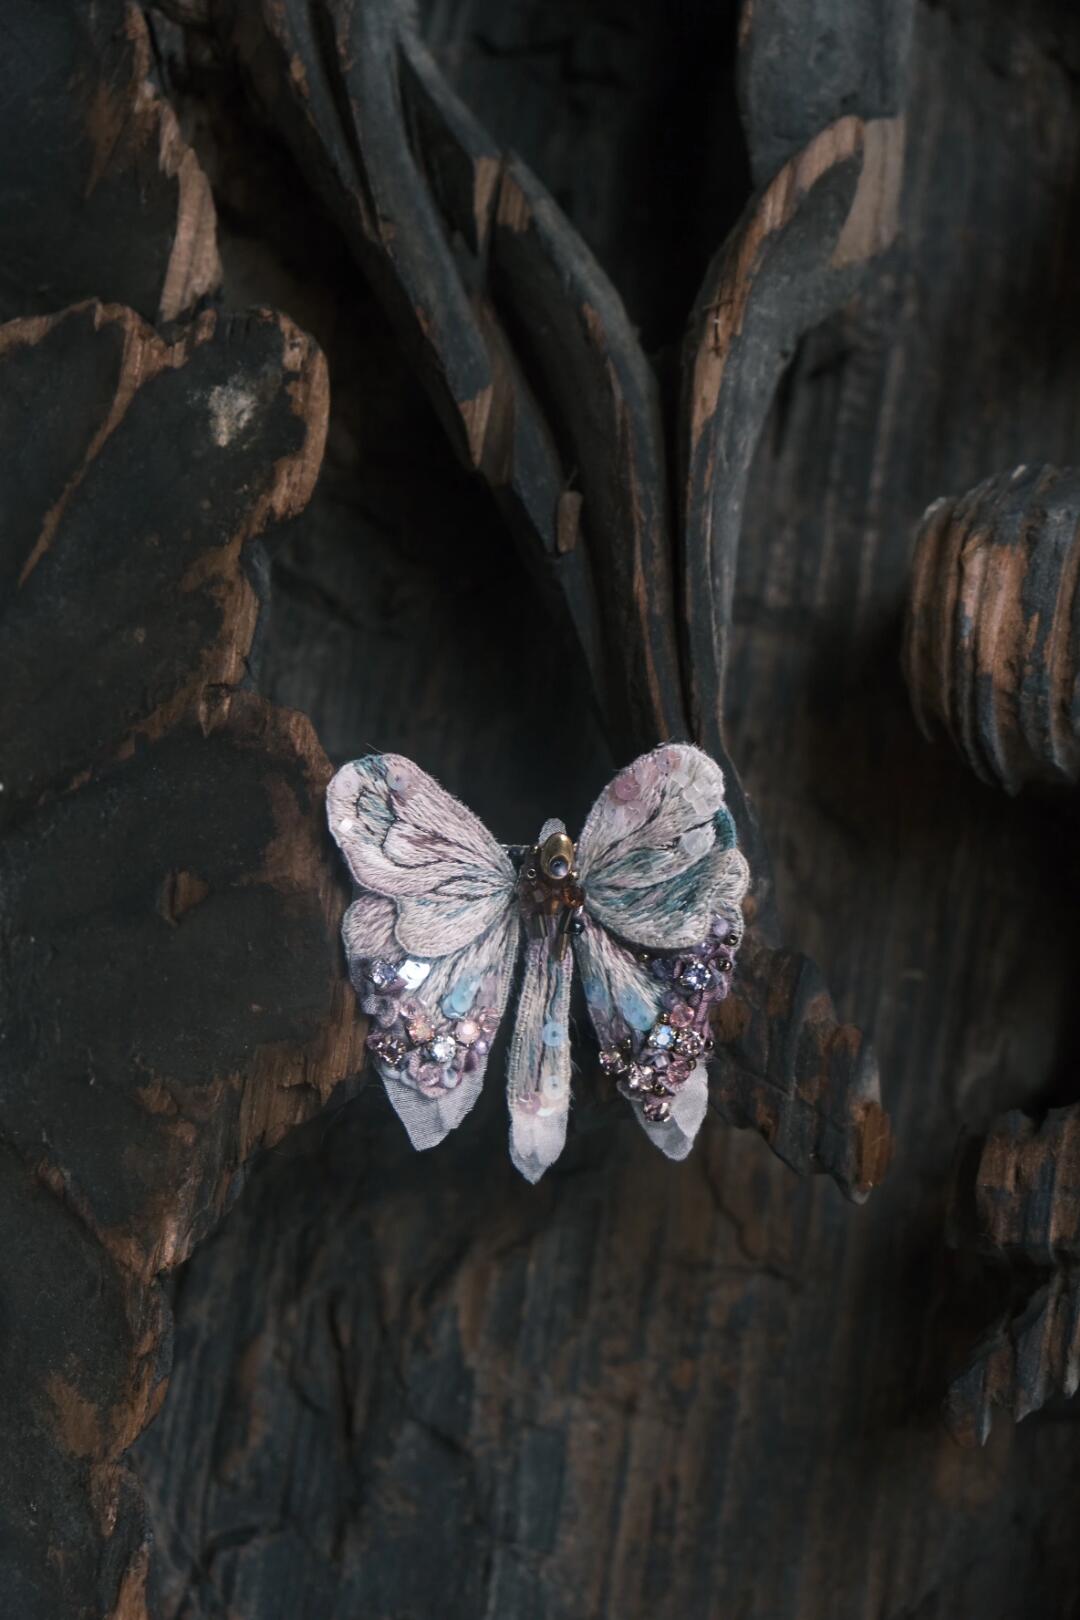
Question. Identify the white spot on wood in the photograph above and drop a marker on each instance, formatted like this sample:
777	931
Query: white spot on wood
231	409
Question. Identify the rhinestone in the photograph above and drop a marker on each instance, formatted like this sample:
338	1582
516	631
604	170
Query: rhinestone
612	1060
662	1036
381	973
441	1049
636	1080
467	1031
694	976
392	1051
691	1044
421	1028
656	1109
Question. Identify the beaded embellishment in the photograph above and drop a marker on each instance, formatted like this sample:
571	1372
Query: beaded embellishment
648	905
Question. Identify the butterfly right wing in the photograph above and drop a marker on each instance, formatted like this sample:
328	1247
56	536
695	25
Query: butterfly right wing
663	885
431	937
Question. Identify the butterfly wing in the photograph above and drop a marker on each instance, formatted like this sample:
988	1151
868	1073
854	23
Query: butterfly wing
663	883
657	855
431	937
538	1080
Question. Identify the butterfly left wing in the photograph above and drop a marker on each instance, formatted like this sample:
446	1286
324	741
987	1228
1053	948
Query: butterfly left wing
431	937
663	883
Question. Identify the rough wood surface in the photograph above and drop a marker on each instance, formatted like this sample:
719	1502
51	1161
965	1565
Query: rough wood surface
406	1384
992	638
93	159
530	360
717	1394
170	998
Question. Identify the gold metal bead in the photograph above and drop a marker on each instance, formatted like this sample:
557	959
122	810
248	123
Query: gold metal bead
557	856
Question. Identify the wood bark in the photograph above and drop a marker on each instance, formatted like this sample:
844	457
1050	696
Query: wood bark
647	337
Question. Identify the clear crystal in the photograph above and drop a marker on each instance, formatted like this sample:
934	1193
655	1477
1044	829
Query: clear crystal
441	1049
381	973
694	976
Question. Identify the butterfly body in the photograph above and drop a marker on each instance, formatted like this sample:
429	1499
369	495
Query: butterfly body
649	898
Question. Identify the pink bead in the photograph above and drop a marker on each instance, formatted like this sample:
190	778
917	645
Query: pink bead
488	1019
429	1079
467	1031
681	1015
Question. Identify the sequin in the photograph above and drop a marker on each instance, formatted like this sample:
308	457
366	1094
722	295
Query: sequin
412	973
553	1034
696	842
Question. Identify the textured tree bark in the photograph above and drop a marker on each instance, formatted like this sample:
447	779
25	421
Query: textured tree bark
649	333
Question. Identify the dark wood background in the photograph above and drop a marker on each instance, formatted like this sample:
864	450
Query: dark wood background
392	1385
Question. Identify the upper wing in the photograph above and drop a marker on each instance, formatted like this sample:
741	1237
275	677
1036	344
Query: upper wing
657	855
409	842
431	937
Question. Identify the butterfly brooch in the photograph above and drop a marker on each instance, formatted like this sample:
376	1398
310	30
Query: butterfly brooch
647	904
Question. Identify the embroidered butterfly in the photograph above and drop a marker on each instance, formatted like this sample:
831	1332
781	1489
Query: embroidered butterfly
648	904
